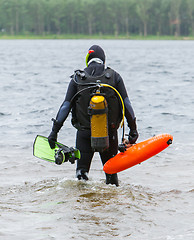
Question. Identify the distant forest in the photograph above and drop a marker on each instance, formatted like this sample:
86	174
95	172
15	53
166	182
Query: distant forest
97	17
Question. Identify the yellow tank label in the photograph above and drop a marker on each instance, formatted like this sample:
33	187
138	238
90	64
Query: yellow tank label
99	125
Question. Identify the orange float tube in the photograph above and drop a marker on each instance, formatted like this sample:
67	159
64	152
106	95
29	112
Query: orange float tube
137	153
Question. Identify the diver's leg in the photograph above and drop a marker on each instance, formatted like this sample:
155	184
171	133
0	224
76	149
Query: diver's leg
112	179
109	153
83	143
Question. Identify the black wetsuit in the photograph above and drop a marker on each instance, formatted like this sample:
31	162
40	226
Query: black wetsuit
83	139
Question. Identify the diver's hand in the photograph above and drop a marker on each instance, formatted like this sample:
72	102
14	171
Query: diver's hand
133	136
52	138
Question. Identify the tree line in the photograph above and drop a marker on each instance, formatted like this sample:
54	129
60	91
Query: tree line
97	17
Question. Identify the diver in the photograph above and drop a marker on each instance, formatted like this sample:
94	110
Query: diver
93	81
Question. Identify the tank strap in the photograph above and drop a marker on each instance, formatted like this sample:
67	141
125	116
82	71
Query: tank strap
97	111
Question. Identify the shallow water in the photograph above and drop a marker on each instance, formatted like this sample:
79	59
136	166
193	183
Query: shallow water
40	200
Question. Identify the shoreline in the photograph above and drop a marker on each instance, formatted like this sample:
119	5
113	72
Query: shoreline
88	37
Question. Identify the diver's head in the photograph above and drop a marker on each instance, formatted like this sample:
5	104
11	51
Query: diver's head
95	53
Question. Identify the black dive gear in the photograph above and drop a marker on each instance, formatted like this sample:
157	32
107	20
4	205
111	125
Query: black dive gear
87	86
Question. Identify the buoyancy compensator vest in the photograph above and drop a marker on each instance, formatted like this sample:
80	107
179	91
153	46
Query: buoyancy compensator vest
96	107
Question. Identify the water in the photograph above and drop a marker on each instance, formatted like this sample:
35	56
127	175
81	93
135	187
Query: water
43	201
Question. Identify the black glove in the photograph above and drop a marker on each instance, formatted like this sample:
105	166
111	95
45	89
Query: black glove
133	136
52	138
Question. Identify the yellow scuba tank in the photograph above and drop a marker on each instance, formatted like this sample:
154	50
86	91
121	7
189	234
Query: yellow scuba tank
98	111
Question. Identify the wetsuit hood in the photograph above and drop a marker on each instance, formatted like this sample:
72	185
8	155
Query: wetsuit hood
97	53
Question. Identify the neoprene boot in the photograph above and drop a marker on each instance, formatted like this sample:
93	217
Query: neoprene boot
112	179
82	174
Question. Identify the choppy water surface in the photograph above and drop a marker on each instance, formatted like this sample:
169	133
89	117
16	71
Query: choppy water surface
43	201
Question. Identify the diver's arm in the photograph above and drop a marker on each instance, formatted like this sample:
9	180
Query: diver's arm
129	113
65	107
62	114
